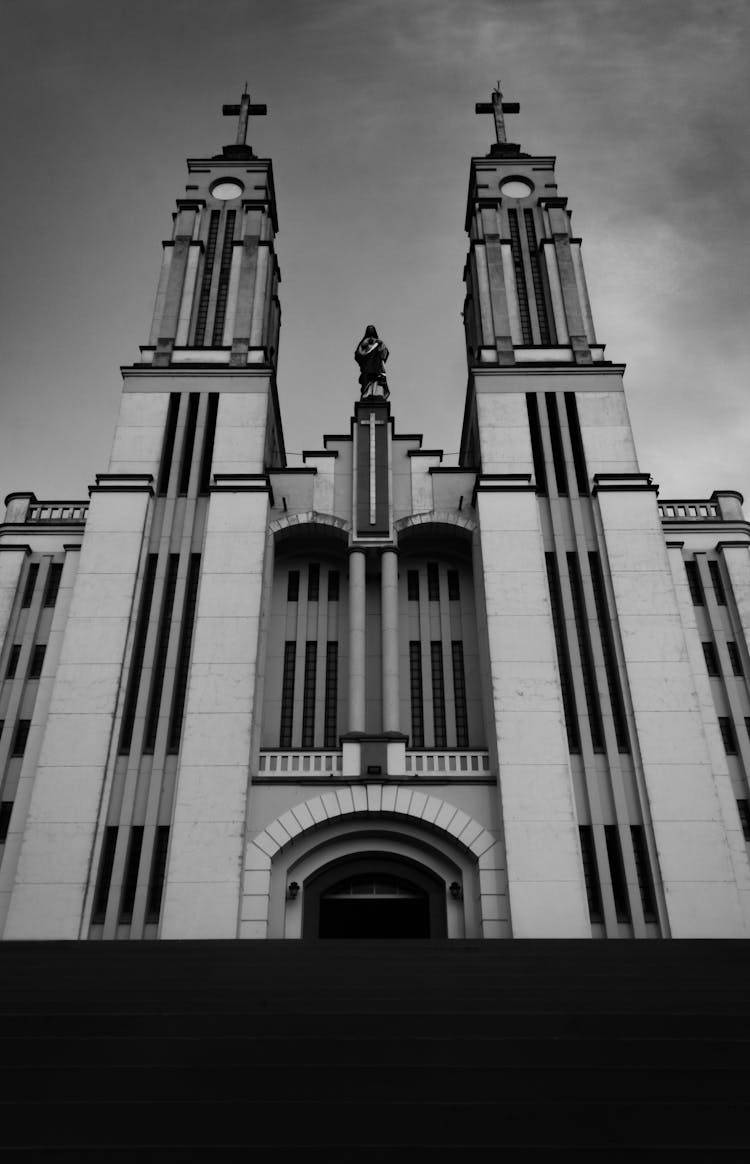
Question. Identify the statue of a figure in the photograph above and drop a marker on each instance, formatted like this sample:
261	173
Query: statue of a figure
371	354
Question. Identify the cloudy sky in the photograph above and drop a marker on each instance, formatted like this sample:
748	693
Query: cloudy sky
371	127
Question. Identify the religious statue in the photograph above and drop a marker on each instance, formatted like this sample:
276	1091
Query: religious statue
371	354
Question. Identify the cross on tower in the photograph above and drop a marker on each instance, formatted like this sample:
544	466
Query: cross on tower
242	112
498	108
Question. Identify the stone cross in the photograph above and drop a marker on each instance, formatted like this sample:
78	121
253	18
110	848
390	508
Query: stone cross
242	112
497	107
371	423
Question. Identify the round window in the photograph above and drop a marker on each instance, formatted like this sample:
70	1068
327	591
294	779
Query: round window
226	189
516	188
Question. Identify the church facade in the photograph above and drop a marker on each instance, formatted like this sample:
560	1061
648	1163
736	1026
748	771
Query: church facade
374	695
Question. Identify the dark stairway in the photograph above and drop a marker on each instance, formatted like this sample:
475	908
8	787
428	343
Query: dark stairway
193	1050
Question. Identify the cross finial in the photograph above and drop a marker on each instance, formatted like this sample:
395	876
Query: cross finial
242	112
498	108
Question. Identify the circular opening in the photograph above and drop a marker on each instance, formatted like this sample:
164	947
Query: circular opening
226	189
516	188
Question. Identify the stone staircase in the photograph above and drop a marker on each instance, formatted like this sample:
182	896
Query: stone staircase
203	1050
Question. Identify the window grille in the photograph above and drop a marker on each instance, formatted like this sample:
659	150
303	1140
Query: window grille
208	270
417	704
287	696
459	694
536	277
308	695
523	297
438	694
225	266
331	695
28	590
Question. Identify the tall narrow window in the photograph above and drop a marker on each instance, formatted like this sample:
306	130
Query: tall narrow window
523	297
287	696
225	266
208	270
712	663
308	695
188	443
587	662
332	695
743	808
104	879
617	873
333	585
130	881
183	656
734	658
610	656
136	662
37	661
454	587
591	873
643	872
536	278
167	452
438	694
433	582
158	871
563	658
209	437
412	585
292	586
160	657
576	444
726	727
459	694
20	738
717	582
537	447
313	582
6	809
694	583
417	704
28	590
13	657
52	589
558	452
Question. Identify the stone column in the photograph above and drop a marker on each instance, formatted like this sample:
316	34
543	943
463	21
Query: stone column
389	632
356	641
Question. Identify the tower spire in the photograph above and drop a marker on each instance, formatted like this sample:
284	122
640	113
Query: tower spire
498	108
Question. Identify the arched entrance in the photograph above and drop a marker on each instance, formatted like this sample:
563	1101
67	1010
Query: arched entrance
375	895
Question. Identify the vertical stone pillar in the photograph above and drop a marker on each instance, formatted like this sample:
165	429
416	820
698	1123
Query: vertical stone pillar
356	641
546	886
389	632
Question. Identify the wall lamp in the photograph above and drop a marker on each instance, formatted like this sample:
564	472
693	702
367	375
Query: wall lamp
292	890
455	891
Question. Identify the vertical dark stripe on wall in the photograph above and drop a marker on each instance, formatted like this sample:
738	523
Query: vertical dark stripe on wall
459	693
537	448
28	590
438	694
558	453
287	696
225	267
576	442
332	691
106	864
523	297
718	585
587	662
160	657
208	441
591	873
563	658
167	452
536	276
130	880
188	443
52	589
183	657
208	270
308	694
694	583
643	872
415	684
617	873
158	871
136	664
610	657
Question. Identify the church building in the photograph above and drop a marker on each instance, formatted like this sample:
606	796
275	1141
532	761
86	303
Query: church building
374	695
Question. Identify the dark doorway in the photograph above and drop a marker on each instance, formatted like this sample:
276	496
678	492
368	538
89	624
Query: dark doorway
374	896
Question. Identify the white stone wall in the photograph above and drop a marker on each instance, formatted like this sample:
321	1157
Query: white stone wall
139	435
606	434
545	872
702	897
504	439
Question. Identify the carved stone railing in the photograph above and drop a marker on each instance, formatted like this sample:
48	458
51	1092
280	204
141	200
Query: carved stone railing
281	763
68	511
689	510
448	763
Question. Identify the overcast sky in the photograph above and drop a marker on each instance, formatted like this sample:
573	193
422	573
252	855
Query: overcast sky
371	127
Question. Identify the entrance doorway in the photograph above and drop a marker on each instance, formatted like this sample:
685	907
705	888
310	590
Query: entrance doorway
374	896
